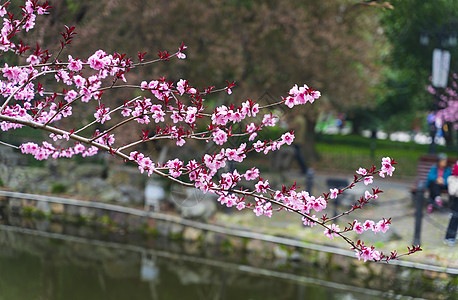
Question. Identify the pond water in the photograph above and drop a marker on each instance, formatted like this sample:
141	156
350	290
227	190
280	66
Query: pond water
50	268
87	263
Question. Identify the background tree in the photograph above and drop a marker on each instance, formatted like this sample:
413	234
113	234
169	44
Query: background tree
262	45
408	64
168	110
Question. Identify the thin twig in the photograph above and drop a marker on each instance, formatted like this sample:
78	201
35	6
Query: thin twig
9	145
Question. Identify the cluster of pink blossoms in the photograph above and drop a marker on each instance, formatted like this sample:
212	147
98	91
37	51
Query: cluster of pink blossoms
380	226
301	95
367	253
48	150
165	110
11	26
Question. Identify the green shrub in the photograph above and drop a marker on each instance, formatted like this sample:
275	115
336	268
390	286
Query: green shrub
58	188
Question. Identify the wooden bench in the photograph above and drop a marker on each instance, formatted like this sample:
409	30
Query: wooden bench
425	162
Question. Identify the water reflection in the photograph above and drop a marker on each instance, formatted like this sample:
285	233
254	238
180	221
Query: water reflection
38	265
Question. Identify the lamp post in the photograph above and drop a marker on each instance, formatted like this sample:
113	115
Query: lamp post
447	38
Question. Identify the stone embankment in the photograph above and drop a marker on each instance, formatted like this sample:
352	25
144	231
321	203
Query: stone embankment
103	189
94	181
77	219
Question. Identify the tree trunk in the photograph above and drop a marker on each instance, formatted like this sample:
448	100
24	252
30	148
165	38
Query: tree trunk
309	151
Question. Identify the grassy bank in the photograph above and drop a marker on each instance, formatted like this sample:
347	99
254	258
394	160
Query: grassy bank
347	153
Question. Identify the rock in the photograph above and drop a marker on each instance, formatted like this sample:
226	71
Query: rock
377	268
15	205
42	225
87	212
124	175
280	252
193	204
8	156
71	210
362	270
162	227
110	196
56	227
324	259
90	187
15	220
192	248
176	230
117	218
25	179
213	238
63	168
57	208
236	243
192	234
296	256
254	246
135	222
43	207
89	171
129	195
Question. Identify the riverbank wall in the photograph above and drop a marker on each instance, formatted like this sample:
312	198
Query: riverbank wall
80	218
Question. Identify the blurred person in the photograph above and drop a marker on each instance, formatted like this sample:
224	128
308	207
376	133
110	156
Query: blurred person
437	181
299	124
450	235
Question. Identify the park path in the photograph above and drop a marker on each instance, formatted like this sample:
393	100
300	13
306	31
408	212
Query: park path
395	202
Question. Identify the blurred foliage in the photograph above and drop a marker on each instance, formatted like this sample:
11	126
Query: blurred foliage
408	65
58	188
263	45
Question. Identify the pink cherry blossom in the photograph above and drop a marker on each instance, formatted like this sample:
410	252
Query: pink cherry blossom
241	205
98	60
369	224
382	225
158	113
181	86
368	180
74	65
219	137
102	114
307	222
331	232
333	193
269	120
317	204
71	95
33	60
361	171
262	186
387	167
175	167
251	174
358	227
288	138
368	195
